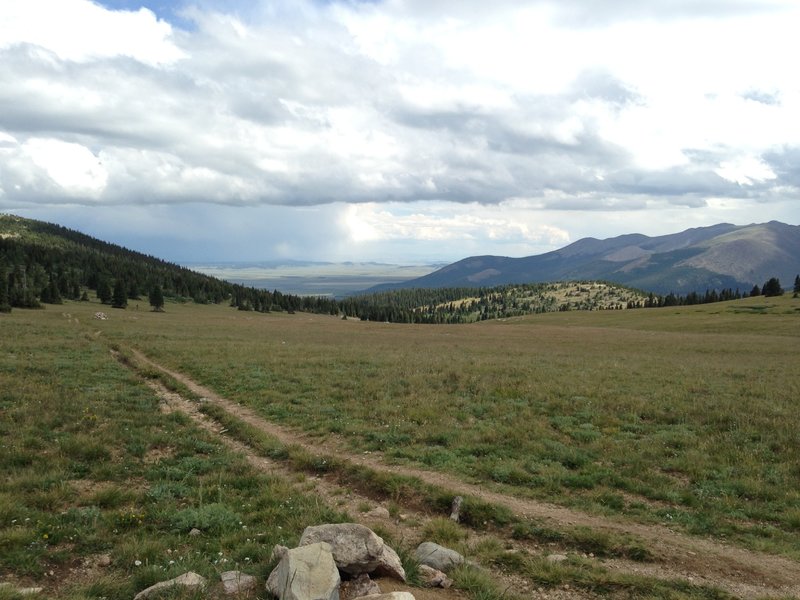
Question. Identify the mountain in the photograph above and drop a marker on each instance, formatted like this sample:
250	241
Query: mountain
717	257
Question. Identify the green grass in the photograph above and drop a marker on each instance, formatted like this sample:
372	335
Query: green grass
685	416
682	416
89	466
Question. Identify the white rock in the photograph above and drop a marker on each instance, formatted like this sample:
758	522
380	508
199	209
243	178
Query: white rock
556	558
356	549
236	582
306	573
190	580
379	512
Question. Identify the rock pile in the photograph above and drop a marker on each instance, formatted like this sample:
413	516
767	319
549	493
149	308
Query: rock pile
324	555
313	570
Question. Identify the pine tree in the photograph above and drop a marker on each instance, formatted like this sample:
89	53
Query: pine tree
5	304
51	294
772	287
157	298
120	298
796	286
103	291
756	291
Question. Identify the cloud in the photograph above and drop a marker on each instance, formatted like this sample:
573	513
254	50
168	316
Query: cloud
613	109
510	224
78	30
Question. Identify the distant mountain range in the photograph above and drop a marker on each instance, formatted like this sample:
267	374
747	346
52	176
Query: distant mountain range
717	257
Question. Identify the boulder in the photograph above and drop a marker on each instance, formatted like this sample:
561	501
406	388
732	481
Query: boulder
437	557
236	582
356	549
189	580
306	573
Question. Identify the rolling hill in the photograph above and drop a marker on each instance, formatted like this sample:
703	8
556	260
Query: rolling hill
716	257
45	263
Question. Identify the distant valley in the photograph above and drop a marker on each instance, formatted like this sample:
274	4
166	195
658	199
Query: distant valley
306	278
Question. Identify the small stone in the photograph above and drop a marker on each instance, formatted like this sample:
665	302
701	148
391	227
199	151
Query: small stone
379	512
433	577
30	591
455	510
189	580
362	586
389	596
556	558
236	582
104	560
195	531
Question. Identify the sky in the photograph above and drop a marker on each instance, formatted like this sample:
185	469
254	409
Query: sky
399	131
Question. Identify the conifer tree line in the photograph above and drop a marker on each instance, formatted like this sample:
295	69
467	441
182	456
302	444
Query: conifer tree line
47	263
467	305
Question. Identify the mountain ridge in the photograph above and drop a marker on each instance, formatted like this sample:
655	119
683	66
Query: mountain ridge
715	257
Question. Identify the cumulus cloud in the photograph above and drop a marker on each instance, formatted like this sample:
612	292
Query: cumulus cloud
465	106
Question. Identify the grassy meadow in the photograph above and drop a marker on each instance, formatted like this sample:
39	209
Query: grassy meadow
99	488
686	416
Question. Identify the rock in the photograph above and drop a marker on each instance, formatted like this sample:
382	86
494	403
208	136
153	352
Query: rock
104	560
236	582
278	552
379	512
189	580
29	591
306	573
455	509
389	596
356	549
195	532
362	586
555	558
433	578
437	557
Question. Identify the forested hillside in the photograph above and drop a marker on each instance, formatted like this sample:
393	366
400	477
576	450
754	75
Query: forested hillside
45	263
467	305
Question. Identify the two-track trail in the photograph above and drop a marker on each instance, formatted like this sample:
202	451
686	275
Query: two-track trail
743	573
